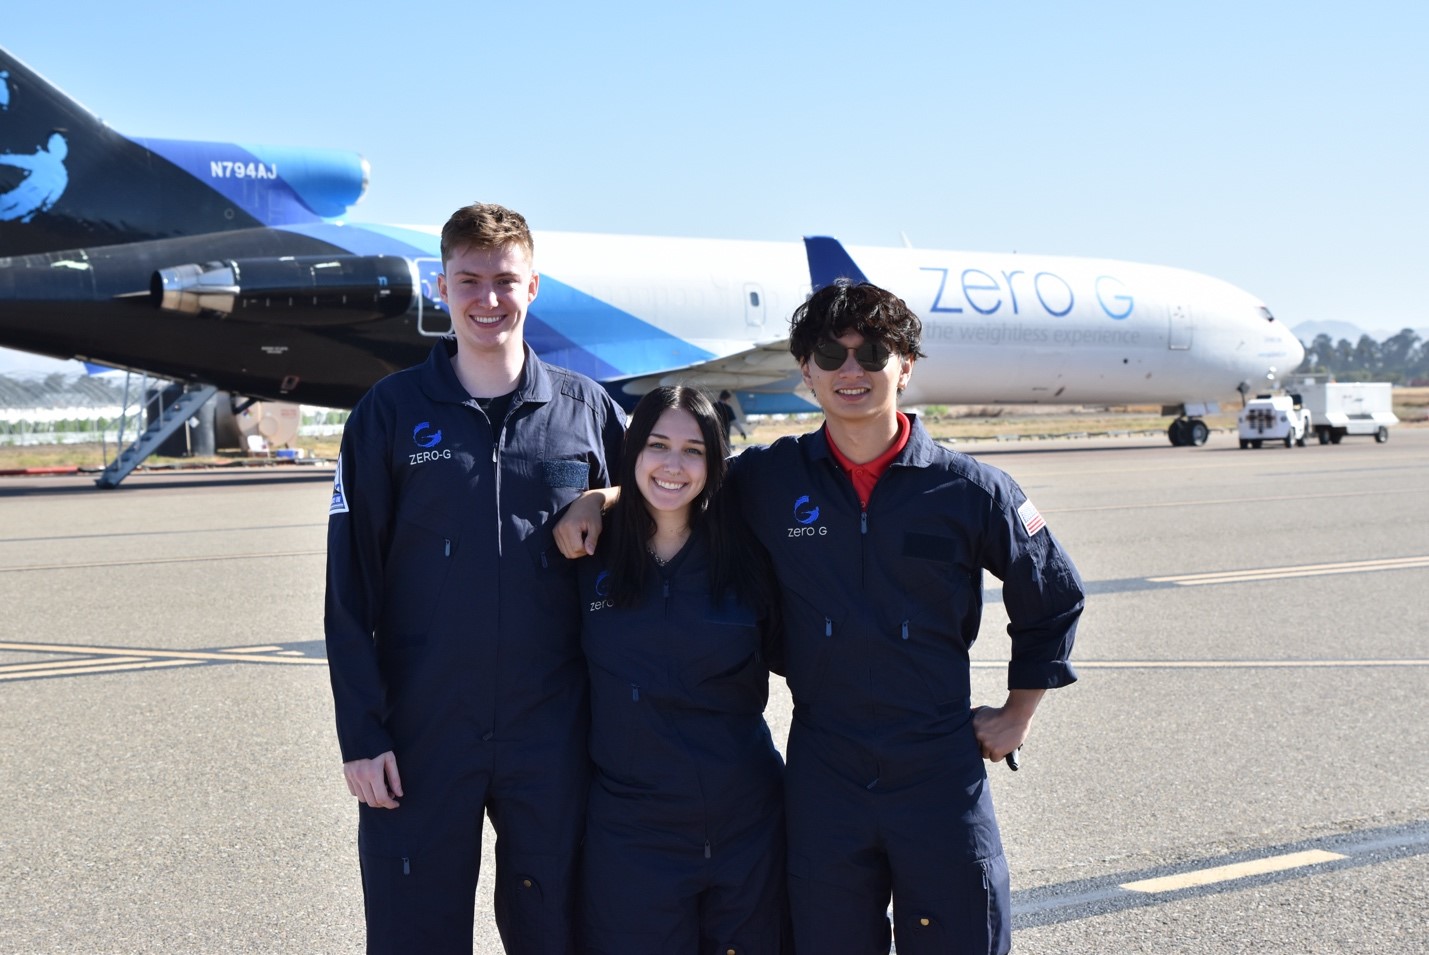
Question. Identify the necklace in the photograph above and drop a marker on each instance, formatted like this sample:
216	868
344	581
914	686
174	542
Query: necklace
659	561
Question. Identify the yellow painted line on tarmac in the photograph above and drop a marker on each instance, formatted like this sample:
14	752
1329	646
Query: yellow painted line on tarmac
110	668
1239	870
81	661
162	654
1303	570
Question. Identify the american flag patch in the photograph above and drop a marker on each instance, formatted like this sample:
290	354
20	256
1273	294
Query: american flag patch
1031	520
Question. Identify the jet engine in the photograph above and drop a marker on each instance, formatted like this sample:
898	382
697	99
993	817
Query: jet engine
291	290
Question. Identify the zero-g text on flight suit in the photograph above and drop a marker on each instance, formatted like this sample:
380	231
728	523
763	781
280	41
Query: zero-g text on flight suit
454	642
687	803
885	785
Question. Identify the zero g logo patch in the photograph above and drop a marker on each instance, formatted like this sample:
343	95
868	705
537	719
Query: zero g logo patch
425	436
806	513
602	591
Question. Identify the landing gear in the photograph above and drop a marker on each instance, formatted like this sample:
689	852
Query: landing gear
1188	431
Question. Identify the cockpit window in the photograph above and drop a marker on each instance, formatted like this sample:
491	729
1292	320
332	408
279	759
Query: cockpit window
1266	312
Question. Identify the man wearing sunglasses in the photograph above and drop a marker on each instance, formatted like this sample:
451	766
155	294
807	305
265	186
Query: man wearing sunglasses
879	539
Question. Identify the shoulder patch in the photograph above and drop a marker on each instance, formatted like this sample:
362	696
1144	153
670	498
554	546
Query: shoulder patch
339	498
1032	521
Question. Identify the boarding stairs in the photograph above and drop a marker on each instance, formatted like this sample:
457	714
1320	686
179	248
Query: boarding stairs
161	426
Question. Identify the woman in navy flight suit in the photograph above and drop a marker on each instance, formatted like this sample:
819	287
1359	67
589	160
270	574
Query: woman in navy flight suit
684	849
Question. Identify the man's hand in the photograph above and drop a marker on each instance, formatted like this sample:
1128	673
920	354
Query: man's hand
578	530
1001	729
374	781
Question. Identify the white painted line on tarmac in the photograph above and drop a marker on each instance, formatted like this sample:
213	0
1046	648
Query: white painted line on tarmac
1135	505
150	561
1070	901
1227	873
1217	664
1303	570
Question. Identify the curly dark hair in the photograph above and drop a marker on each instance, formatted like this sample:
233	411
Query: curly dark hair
842	307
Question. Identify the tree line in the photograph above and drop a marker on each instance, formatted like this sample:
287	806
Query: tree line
1402	358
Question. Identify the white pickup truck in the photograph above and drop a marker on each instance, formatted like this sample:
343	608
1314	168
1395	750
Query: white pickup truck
1276	418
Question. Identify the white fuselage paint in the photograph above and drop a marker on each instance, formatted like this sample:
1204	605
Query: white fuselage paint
1003	328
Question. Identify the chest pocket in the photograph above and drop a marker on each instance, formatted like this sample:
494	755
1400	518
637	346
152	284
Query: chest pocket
936	567
714	653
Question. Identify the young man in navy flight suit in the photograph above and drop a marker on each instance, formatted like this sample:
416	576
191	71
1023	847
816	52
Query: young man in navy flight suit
879	539
453	642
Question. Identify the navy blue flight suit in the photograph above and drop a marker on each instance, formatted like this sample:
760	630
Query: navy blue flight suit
454	641
684	848
885	788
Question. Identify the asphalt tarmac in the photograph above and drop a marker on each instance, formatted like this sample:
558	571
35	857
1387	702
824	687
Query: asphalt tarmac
1242	767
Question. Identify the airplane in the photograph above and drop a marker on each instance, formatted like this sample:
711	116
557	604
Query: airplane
235	266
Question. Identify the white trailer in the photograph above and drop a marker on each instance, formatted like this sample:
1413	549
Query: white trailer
1349	407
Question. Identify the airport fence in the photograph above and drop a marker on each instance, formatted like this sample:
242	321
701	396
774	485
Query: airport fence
29	427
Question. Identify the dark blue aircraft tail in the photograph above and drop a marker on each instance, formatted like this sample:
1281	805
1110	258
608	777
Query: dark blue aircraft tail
829	261
68	181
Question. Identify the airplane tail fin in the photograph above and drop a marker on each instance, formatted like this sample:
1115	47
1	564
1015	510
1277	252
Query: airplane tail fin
68	181
829	261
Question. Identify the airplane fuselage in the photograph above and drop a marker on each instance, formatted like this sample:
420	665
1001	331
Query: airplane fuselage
997	328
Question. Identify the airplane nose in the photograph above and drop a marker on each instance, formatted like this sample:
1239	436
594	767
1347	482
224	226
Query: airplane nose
1287	352
1294	350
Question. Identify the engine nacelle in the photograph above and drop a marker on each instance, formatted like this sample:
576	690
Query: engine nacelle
292	290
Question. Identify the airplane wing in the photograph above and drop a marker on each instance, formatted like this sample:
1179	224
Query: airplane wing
765	368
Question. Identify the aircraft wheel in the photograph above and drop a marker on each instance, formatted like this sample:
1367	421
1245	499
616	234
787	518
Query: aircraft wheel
1323	434
1197	433
1244	443
1177	433
1255	443
1336	435
1381	436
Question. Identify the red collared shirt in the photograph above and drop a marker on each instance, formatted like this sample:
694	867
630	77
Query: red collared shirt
865	476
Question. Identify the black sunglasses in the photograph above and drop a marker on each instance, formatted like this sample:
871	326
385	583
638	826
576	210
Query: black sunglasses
871	355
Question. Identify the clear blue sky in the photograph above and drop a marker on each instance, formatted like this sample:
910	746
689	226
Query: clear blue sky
1278	145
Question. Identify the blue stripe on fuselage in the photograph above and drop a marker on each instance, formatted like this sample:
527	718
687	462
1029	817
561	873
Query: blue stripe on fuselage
605	342
565	326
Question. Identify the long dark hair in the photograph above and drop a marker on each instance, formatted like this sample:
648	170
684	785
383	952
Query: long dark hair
631	526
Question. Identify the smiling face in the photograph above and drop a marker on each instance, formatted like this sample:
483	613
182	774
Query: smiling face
851	394
671	468
488	291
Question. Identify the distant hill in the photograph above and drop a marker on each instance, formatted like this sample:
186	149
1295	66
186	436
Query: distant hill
1307	331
